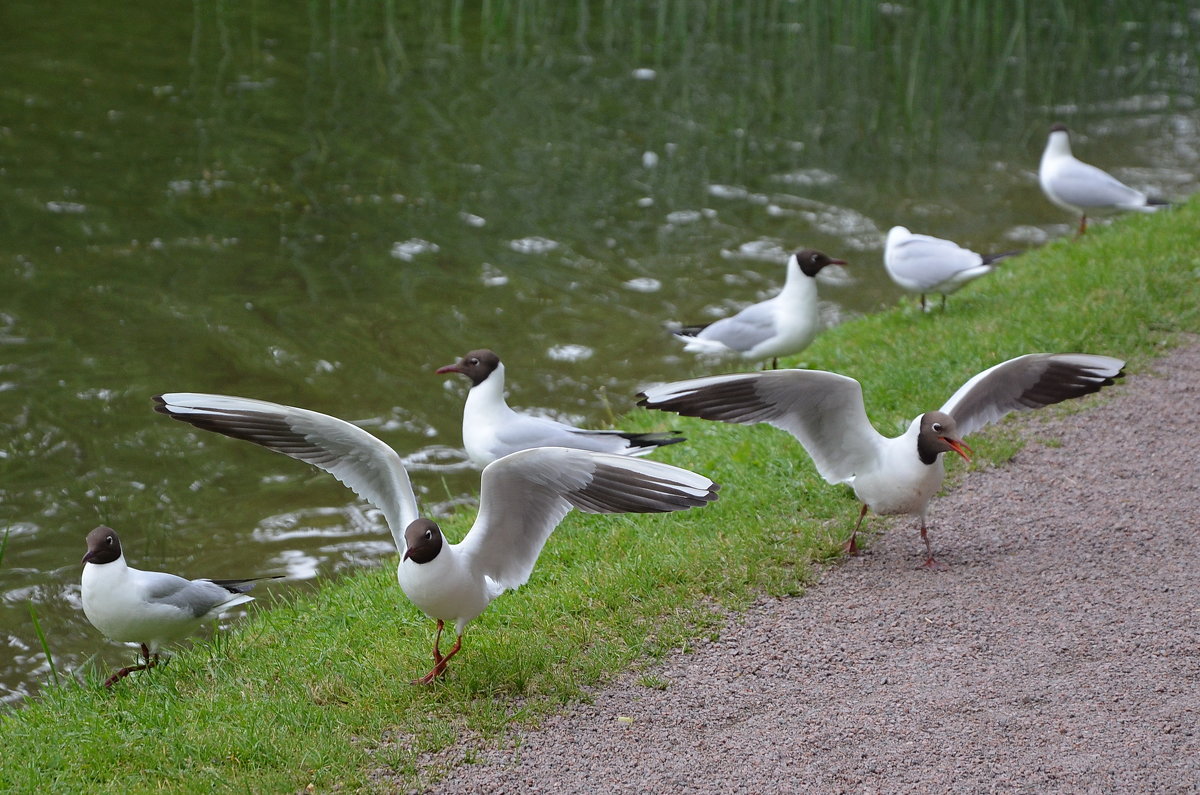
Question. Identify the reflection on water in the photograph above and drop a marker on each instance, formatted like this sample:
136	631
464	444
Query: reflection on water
321	208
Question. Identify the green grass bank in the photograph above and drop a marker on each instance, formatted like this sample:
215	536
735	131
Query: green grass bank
314	689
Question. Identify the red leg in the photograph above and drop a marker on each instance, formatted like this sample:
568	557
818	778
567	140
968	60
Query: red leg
121	674
851	546
437	656
930	563
439	667
1082	225
437	640
127	670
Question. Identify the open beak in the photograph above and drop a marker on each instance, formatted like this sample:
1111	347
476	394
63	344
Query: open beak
958	446
450	368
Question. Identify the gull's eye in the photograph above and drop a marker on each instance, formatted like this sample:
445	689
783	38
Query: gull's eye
428	535
937	427
108	540
472	361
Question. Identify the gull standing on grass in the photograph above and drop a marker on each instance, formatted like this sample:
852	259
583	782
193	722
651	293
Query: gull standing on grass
1084	189
152	608
925	264
492	430
779	326
900	475
523	497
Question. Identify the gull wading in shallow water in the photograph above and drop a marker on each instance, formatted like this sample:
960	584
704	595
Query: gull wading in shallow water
523	497
924	264
492	430
152	608
779	326
1084	189
900	475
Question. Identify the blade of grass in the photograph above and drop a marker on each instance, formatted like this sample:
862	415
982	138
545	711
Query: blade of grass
37	627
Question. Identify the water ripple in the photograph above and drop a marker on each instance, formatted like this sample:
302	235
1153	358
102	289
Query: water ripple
437	458
410	249
643	284
806	177
533	245
66	208
569	353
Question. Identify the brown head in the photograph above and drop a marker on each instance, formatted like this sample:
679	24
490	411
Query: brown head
476	365
422	541
811	261
939	434
103	546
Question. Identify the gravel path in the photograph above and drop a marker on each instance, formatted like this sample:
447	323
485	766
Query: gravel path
1059	652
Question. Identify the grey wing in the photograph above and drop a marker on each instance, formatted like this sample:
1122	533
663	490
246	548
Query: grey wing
1029	382
1084	185
930	261
824	411
193	597
741	332
528	431
525	495
364	463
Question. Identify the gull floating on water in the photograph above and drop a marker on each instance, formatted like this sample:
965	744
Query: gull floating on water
523	497
1084	189
152	608
779	326
900	475
492	430
925	264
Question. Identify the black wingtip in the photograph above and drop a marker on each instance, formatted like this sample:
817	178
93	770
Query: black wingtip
160	405
246	583
657	439
690	331
993	258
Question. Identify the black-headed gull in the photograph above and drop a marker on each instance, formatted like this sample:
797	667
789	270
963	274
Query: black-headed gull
925	264
779	326
1084	189
151	608
900	475
492	430
523	497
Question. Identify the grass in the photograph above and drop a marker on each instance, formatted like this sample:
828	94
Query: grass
314	689
41	636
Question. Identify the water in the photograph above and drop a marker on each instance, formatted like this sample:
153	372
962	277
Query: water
321	207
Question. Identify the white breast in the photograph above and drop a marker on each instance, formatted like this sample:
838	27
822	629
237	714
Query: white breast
796	320
484	412
899	483
444	589
115	604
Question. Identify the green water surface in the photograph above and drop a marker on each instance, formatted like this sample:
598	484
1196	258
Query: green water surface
319	204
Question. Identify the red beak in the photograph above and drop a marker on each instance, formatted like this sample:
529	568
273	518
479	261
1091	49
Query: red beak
838	262
450	368
958	446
